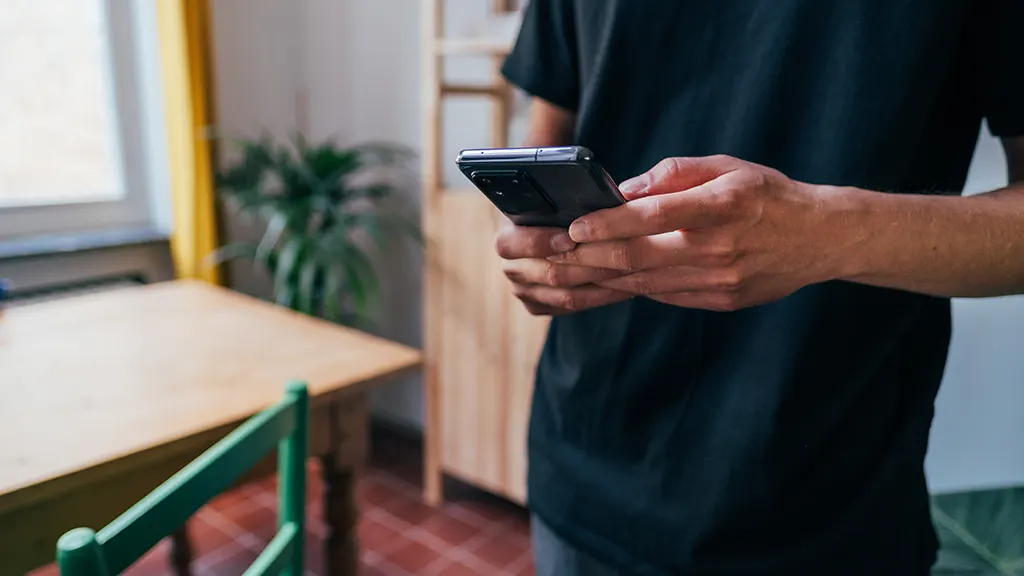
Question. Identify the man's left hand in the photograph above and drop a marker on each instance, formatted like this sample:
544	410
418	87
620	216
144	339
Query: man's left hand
715	233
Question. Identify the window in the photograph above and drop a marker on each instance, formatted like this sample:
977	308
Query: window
75	149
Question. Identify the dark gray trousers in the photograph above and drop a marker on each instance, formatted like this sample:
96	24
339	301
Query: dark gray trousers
554	557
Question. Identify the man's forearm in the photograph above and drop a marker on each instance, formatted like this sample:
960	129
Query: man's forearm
549	125
947	246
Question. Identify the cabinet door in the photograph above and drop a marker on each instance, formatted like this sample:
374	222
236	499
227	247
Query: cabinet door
487	354
526	338
474	338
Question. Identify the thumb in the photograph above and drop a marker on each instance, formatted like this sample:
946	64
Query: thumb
677	174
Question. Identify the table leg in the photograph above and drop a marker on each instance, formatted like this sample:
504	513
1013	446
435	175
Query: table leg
181	552
341	547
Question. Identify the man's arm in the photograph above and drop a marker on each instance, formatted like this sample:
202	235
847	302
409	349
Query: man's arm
721	233
549	125
970	246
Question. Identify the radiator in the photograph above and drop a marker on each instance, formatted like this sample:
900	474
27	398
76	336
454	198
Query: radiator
42	294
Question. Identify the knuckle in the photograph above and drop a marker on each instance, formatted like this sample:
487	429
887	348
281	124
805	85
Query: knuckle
555	275
671	166
572	257
656	211
763	179
731	280
512	271
674	168
722	253
641	285
728	199
622	257
566	300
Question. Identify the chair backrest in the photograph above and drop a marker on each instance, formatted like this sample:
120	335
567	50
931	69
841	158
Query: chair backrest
82	552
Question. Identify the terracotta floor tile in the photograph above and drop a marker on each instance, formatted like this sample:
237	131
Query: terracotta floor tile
374	571
502	550
461	569
453	531
376	493
526	570
205	536
411	511
234	563
378	537
261	522
228	500
154	563
414	557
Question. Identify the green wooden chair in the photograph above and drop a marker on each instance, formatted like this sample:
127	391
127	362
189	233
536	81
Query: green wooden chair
82	552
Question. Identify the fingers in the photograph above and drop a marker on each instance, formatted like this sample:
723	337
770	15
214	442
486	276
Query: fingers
661	250
714	301
676	279
565	300
675	174
514	242
536	309
541	271
709	205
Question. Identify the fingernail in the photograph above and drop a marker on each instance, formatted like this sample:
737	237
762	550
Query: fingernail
632	186
562	243
578	231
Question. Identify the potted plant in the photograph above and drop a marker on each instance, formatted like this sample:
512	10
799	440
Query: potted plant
326	209
981	532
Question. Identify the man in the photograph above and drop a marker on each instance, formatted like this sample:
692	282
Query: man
741	367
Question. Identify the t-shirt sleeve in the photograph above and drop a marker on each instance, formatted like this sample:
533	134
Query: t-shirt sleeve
1003	67
544	61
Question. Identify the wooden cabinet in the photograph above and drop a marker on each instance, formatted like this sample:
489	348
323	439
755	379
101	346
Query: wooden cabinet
481	345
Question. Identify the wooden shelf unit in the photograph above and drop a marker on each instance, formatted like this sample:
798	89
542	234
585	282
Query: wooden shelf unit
481	345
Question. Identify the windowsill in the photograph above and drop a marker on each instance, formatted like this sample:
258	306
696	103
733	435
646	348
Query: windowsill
49	245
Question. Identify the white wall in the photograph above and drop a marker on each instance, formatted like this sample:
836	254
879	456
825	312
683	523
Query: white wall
359	63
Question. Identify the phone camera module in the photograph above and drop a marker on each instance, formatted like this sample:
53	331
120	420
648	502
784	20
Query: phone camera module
512	193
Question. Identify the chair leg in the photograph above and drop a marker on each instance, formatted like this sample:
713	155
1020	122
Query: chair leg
181	552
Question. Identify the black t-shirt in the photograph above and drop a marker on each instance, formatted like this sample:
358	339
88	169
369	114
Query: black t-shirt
787	438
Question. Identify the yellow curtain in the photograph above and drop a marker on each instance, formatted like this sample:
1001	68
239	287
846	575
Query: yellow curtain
188	93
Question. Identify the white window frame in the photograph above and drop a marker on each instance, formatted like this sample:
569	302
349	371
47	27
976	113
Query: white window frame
137	100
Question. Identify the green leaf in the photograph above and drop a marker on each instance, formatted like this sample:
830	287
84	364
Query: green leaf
383	228
306	296
230	252
981	532
285	276
275	228
383	154
333	283
362	274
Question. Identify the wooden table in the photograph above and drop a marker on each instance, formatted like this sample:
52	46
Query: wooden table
104	396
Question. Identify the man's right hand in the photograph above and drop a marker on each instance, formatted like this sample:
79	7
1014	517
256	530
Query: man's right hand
547	288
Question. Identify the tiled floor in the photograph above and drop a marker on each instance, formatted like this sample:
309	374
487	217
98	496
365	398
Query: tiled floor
472	534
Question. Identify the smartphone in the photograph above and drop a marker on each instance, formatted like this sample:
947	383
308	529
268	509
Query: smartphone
541	186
